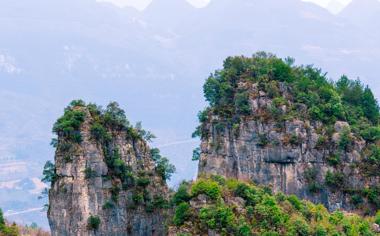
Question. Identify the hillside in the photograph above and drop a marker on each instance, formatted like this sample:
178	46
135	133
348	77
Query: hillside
219	206
291	128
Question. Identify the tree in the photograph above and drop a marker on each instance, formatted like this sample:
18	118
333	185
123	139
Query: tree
370	106
115	116
196	154
2	220
164	168
49	175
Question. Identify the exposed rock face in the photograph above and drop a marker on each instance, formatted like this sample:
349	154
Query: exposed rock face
86	186
290	156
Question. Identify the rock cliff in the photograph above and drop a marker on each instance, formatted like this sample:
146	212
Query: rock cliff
270	132
105	180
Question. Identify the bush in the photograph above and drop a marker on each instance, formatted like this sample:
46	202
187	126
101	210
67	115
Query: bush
207	187
220	217
181	195
296	202
263	140
345	139
69	124
333	160
334	180
108	205
93	223
377	218
99	132
196	154
182	213
89	173
143	182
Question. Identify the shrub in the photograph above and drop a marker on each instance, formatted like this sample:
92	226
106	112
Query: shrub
181	195
89	173
334	180
345	139
262	140
294	140
220	217
333	160
143	182
99	132
93	222
300	227
295	201
108	205
69	124
207	187
137	198
182	213
371	134
196	154
377	218
356	199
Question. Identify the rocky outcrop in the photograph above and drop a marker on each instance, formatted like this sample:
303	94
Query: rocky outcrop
105	186
292	155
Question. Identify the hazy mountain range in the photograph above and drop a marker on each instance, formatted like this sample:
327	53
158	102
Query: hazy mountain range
153	63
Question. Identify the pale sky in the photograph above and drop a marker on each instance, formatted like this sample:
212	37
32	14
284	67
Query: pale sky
141	4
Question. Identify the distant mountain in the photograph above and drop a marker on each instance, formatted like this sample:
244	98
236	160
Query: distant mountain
365	13
334	6
153	62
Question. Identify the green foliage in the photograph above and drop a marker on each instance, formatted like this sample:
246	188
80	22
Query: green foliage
334	160
99	132
371	134
143	182
2	220
377	218
219	217
182	213
371	163
89	173
345	139
326	101
68	126
93	223
108	205
263	140
182	194
196	154
334	180
163	166
49	173
208	187
261	213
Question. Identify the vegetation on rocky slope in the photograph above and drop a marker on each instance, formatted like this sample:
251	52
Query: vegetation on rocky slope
299	93
230	207
105	125
326	101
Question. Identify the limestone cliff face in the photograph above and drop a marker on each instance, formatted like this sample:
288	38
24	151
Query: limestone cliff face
293	156
105	188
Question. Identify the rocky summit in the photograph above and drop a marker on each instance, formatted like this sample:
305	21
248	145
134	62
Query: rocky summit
105	180
291	128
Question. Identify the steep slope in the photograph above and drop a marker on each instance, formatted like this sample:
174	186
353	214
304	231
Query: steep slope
218	206
106	180
289	128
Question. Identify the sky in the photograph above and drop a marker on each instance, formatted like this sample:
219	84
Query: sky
141	4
